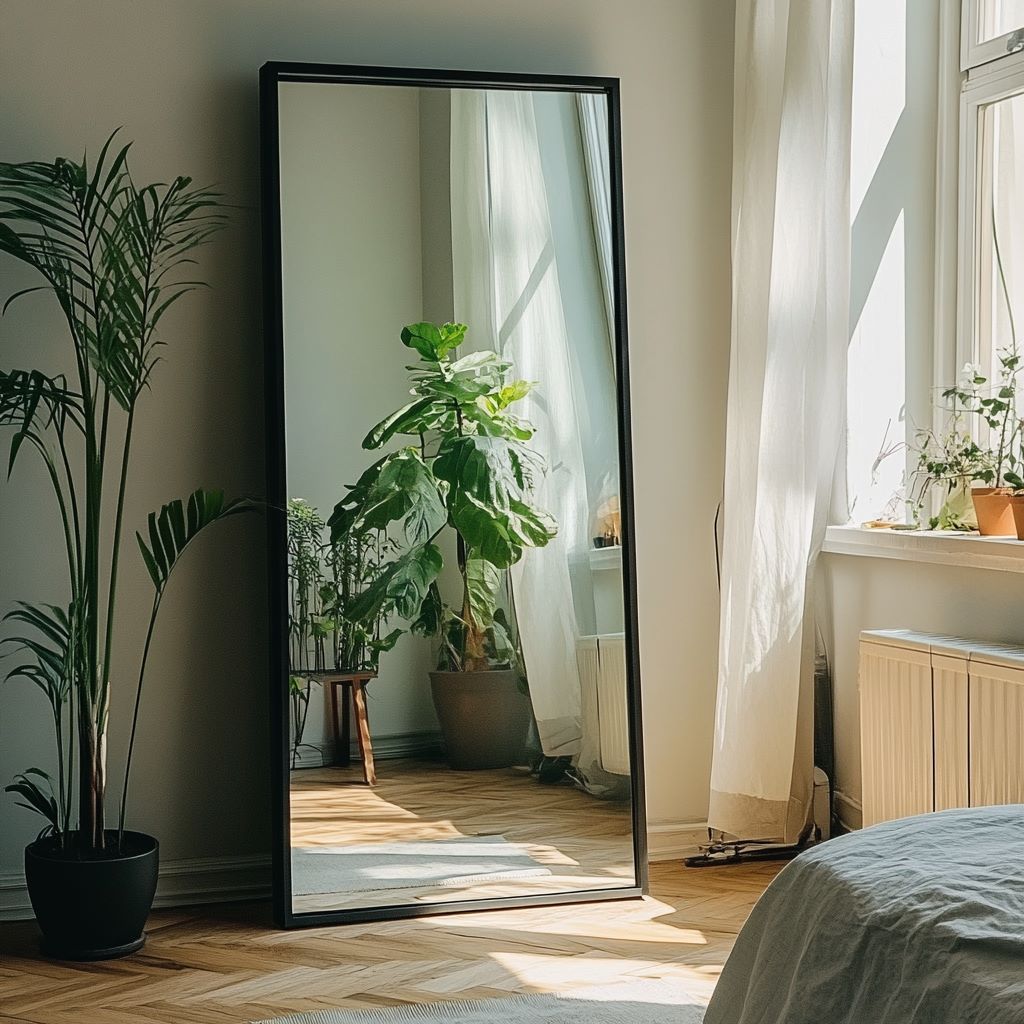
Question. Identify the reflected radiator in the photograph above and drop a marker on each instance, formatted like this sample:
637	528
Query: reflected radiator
602	666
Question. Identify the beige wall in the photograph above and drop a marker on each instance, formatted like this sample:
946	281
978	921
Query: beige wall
181	77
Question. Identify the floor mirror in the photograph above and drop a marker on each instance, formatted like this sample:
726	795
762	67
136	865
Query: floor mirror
454	684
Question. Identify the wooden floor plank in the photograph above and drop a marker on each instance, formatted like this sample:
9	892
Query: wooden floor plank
223	964
220	965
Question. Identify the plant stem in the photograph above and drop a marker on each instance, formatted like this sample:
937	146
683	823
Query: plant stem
115	549
135	717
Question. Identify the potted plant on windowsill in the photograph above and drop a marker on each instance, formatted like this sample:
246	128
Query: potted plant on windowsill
996	406
998	409
111	253
470	470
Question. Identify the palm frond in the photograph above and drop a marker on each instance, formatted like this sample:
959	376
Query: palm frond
50	650
35	788
178	524
108	249
30	400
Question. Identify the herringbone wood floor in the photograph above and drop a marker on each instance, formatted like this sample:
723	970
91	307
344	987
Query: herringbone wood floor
224	964
584	842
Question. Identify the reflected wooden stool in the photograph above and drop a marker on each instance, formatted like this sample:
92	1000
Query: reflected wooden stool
353	683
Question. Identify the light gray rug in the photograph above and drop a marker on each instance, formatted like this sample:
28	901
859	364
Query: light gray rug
368	867
641	1002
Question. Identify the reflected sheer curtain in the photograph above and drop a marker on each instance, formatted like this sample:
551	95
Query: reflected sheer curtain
506	288
790	246
593	115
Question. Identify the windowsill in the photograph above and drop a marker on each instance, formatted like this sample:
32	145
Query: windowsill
939	547
606	558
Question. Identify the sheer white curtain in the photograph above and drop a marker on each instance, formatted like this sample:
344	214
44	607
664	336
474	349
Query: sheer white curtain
592	109
507	290
790	270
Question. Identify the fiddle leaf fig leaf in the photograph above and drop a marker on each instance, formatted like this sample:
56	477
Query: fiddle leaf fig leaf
399	486
513	392
402	585
415	418
424	338
482	583
432	342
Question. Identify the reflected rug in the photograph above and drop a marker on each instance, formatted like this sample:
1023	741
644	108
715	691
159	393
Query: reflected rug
640	1002
368	867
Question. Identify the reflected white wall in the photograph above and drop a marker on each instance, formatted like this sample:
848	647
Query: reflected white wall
353	277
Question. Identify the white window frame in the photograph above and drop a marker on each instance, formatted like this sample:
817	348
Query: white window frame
979	93
973	54
991	72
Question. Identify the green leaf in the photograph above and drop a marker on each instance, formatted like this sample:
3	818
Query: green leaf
385	643
503	648
31	402
482	583
513	392
37	796
399	486
412	419
402	585
424	338
431	613
432	342
489	479
171	532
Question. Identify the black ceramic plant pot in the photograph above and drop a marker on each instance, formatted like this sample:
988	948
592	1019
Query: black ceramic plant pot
484	717
92	906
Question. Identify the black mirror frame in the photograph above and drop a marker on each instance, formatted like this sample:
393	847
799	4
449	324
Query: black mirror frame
271	75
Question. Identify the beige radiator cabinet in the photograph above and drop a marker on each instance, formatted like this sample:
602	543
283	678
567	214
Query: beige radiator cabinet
942	723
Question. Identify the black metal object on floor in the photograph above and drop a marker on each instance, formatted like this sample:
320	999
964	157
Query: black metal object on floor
745	851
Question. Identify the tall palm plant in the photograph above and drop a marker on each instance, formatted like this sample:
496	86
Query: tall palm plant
112	254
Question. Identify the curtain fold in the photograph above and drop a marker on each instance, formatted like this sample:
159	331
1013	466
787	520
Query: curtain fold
790	266
592	110
507	290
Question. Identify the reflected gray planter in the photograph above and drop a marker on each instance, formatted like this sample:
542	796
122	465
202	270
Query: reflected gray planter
484	716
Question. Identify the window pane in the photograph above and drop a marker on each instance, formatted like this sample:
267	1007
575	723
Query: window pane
998	17
1000	210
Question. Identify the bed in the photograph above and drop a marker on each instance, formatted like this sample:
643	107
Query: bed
916	921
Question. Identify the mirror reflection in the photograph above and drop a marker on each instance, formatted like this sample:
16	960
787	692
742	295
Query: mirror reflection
457	687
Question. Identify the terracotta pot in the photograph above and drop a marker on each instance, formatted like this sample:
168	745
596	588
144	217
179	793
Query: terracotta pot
995	512
1017	507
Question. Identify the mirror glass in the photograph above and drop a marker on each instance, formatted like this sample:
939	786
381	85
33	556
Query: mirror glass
457	693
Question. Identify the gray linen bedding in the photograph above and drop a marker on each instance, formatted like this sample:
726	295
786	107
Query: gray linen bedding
917	921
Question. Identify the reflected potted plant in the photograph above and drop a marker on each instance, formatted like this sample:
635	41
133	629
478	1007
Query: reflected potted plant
470	470
111	253
324	578
306	631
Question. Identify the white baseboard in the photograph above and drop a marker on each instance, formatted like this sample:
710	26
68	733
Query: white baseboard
198	880
850	811
673	840
182	883
385	748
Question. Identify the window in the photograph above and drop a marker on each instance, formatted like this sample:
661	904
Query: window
991	231
991	30
937	261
